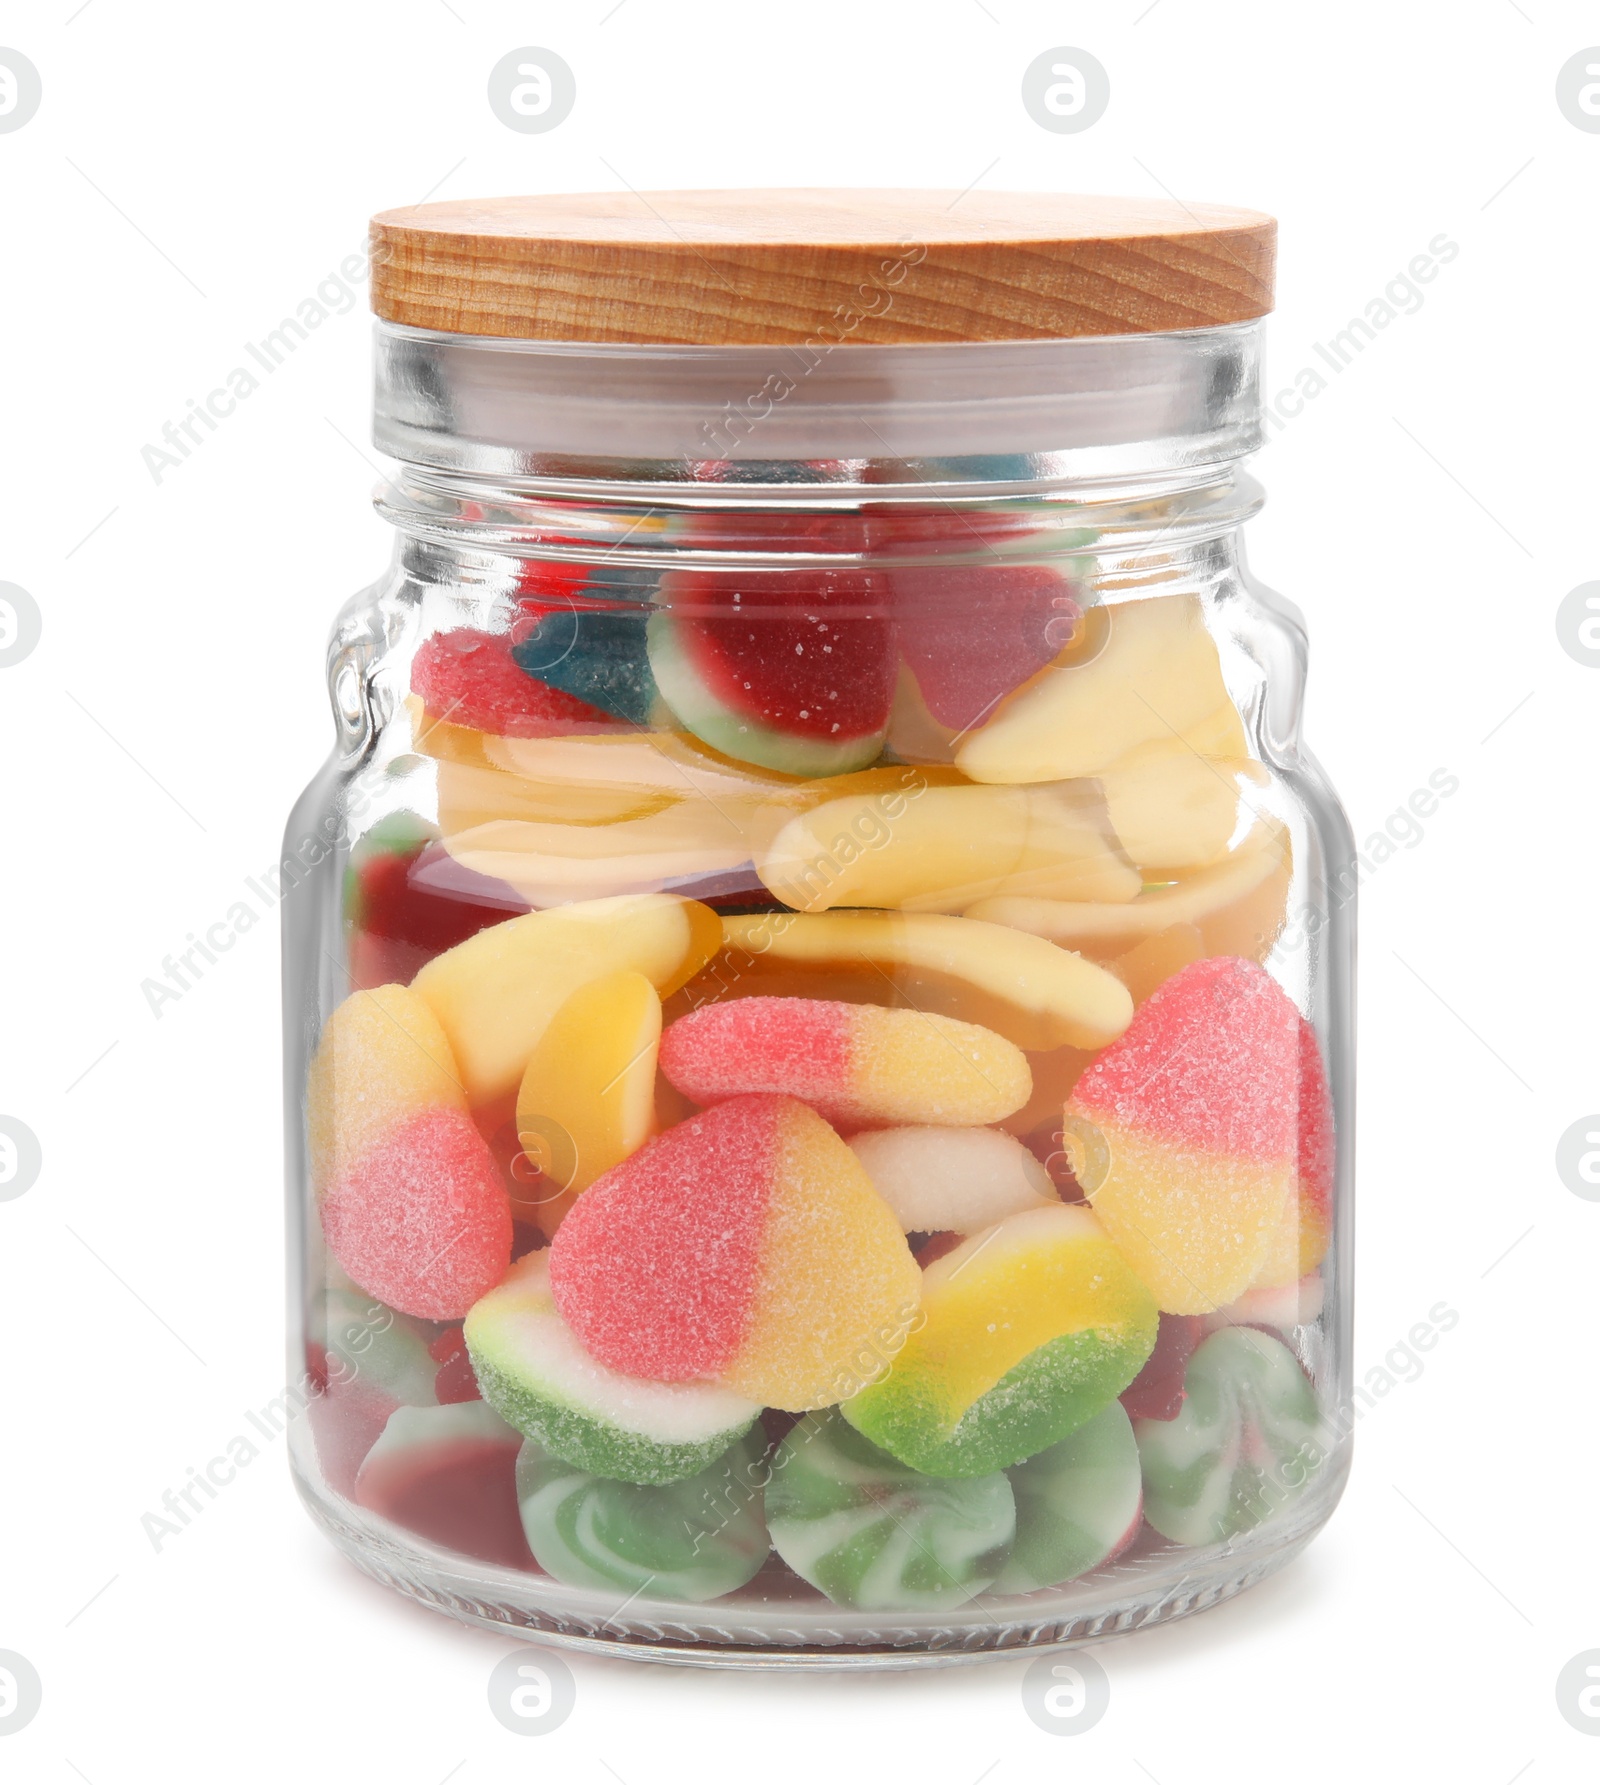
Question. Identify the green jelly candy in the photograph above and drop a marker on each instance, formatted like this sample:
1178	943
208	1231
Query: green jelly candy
1077	1504
695	1539
875	1535
1245	1444
537	1377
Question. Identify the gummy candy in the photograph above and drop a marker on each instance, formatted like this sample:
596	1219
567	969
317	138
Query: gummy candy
745	1246
952	1180
368	1361
1026	989
588	1096
1305	1227
1245	1445
693	1539
1153	673
454	1381
494	995
790	669
948	848
593	655
470	678
853	1063
1078	1505
1031	1327
421	1218
875	1535
537	1376
1157	1391
1187	1130
1174	809
449	1474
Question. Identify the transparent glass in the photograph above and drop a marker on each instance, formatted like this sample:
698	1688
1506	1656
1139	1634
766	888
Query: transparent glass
818	1006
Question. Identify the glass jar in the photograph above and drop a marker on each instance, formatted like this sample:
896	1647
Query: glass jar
819	1003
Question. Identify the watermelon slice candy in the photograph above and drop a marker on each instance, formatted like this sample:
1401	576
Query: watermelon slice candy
470	677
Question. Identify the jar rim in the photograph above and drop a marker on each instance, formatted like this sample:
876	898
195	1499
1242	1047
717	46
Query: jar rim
985	416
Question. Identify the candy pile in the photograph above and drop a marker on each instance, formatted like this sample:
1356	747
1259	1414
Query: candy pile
811	1108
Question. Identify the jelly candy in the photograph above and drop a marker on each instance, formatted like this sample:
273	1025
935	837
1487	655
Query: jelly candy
588	1096
1157	1391
381	1058
1185	1132
402	910
1306	1225
421	1219
790	669
970	635
694	1539
494	995
948	848
952	1180
1245	1445
454	1381
1173	809
1078	1505
470	678
368	1361
1028	990
745	1246
449	1474
1155	675
853	1063
593	655
1237	906
1031	1327
875	1535
537	1376
1283	1305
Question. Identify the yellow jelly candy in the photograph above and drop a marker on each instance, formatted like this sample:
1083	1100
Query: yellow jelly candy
495	993
1156	676
588	1096
382	1058
947	848
1171	808
1026	989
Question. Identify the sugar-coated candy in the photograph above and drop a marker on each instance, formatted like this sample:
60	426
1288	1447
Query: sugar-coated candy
591	652
468	677
952	1180
494	995
948	848
1146	670
852	1063
537	1376
693	1539
1245	1445
1030	1328
789	669
746	1246
1078	1505
587	1098
421	1219
449	1475
1157	1391
382	1057
875	1535
1024	988
1303	1231
1187	1131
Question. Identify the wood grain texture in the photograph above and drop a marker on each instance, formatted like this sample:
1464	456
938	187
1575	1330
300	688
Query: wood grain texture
735	268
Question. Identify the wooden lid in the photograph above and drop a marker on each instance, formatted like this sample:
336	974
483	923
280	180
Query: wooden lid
740	268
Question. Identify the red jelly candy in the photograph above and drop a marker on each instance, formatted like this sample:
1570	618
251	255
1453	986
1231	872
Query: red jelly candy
1157	1391
467	677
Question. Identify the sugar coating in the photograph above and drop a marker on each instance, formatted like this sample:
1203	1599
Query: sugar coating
468	677
1196	1226
655	1266
952	1180
837	1287
851	1062
382	1057
1301	1240
421	1220
1211	1061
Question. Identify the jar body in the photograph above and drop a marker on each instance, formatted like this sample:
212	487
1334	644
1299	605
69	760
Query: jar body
819	1083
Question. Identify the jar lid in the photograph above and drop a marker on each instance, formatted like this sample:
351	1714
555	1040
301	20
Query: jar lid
819	267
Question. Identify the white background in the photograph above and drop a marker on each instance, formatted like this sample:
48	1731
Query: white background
192	174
